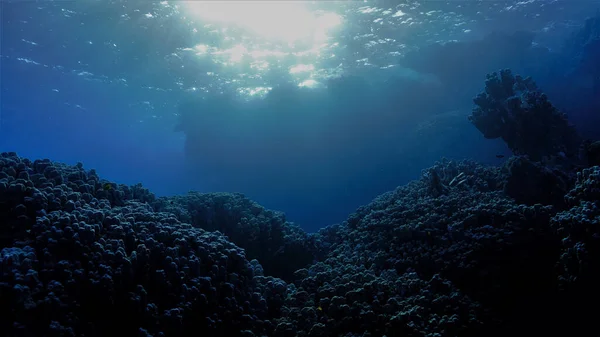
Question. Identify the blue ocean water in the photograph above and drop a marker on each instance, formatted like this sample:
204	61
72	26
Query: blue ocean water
311	108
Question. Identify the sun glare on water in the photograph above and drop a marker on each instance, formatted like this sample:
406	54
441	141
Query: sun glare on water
266	33
284	21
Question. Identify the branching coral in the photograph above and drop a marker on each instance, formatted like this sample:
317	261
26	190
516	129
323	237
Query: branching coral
512	108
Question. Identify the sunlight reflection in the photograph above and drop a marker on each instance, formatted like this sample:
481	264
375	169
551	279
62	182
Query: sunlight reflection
288	22
256	91
302	68
261	36
310	84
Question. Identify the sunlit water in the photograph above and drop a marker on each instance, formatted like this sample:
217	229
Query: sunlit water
101	81
209	45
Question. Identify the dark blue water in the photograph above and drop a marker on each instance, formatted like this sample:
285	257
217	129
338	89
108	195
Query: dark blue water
312	109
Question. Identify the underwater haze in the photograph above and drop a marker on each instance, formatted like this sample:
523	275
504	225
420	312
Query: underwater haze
310	108
299	169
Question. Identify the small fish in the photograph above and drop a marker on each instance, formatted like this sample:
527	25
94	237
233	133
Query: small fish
499	156
107	186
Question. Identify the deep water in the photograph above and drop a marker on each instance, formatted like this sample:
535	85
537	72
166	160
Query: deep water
299	169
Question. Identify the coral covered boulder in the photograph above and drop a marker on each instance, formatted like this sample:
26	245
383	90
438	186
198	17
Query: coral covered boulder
512	108
82	257
280	246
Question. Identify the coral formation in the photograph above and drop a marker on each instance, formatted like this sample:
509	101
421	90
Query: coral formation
531	183
512	108
83	256
280	246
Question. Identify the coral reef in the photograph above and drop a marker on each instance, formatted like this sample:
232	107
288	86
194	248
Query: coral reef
80	256
281	247
512	108
450	254
531	183
579	226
